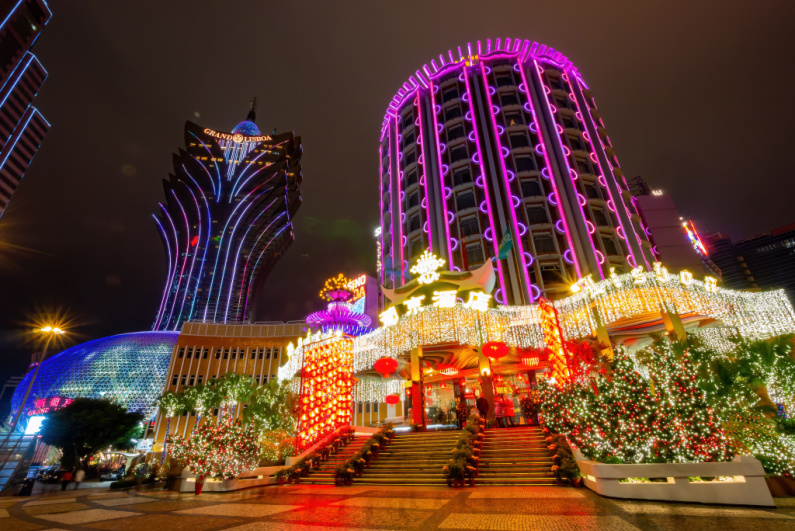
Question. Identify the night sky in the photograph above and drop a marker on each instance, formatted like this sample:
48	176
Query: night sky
696	98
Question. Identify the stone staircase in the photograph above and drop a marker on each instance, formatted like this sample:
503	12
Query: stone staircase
515	456
412	459
324	474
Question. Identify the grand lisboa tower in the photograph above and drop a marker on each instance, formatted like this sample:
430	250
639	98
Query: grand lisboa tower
496	151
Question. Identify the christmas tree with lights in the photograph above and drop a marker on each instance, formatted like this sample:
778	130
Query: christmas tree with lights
219	450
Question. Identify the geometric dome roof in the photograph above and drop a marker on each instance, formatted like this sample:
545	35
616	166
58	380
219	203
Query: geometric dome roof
246	128
130	369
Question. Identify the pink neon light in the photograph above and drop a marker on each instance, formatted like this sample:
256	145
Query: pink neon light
401	238
549	171
433	89
500	148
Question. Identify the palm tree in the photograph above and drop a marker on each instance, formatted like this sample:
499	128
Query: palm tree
235	388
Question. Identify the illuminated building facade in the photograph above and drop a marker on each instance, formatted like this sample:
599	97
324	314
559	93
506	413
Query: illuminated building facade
22	126
206	351
226	221
497	150
128	368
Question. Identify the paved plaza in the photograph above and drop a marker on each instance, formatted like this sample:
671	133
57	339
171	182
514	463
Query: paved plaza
320	508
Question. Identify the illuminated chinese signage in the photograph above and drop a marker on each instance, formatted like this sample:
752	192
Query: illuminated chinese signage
237	137
42	406
478	300
637	277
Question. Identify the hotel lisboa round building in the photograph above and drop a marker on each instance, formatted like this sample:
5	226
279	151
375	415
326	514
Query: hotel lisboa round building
496	149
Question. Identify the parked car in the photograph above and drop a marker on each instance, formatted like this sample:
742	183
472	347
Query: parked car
49	474
112	475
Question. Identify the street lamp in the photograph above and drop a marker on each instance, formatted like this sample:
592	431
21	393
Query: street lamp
51	332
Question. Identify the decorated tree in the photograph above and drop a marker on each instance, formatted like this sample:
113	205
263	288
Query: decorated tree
272	407
219	450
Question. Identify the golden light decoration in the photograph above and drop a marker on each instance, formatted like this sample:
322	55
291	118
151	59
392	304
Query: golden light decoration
336	289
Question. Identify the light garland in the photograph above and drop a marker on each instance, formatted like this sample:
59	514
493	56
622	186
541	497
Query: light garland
372	390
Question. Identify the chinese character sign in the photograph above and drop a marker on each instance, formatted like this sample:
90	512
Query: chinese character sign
326	385
42	406
553	337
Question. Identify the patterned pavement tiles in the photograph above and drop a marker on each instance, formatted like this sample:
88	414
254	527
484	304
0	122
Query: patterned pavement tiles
320	508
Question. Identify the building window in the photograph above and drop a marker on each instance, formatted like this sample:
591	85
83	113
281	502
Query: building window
450	94
470	226
459	153
461	177
192	380
550	274
183	379
412	179
599	216
465	200
537	214
205	351
452	112
174	380
253	353
411	157
525	164
544	244
505	80
226	353
610	245
182	352
201	377
359	407
218	353
408	140
509	98
455	132
583	166
531	188
514	118
475	255
519	140
408	120
367	407
267	353
414	200
414	223
591	192
416	247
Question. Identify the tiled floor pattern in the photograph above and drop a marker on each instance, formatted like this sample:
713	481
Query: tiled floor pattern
322	508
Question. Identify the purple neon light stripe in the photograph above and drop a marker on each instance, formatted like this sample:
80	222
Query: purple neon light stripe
185	258
160	311
548	98
206	240
517	239
381	211
610	194
248	167
192	252
256	264
483	172
549	169
248	259
424	176
237	254
399	203
438	150
176	260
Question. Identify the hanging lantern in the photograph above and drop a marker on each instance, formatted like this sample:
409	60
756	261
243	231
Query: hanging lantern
392	399
385	366
447	370
495	349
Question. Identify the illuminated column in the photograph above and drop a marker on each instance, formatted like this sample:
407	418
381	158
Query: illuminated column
673	325
417	391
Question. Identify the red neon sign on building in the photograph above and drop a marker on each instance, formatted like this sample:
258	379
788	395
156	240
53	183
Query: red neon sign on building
42	406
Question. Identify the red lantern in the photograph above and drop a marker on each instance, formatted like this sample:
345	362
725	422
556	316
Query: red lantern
385	366
392	399
495	349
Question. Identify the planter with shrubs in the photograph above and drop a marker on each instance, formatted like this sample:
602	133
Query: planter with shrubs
465	457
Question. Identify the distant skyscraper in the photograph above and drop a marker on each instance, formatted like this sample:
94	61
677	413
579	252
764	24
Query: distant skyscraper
766	261
226	221
22	126
496	151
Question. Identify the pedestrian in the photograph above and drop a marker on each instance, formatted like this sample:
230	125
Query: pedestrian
66	477
79	475
483	406
499	411
508	411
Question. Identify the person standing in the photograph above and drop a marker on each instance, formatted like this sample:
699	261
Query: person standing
507	409
66	477
79	475
499	411
483	406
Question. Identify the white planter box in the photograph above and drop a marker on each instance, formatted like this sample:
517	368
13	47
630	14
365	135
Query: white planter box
250	478
746	486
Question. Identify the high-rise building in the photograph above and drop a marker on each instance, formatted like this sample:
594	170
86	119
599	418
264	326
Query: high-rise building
766	261
22	126
226	221
497	150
